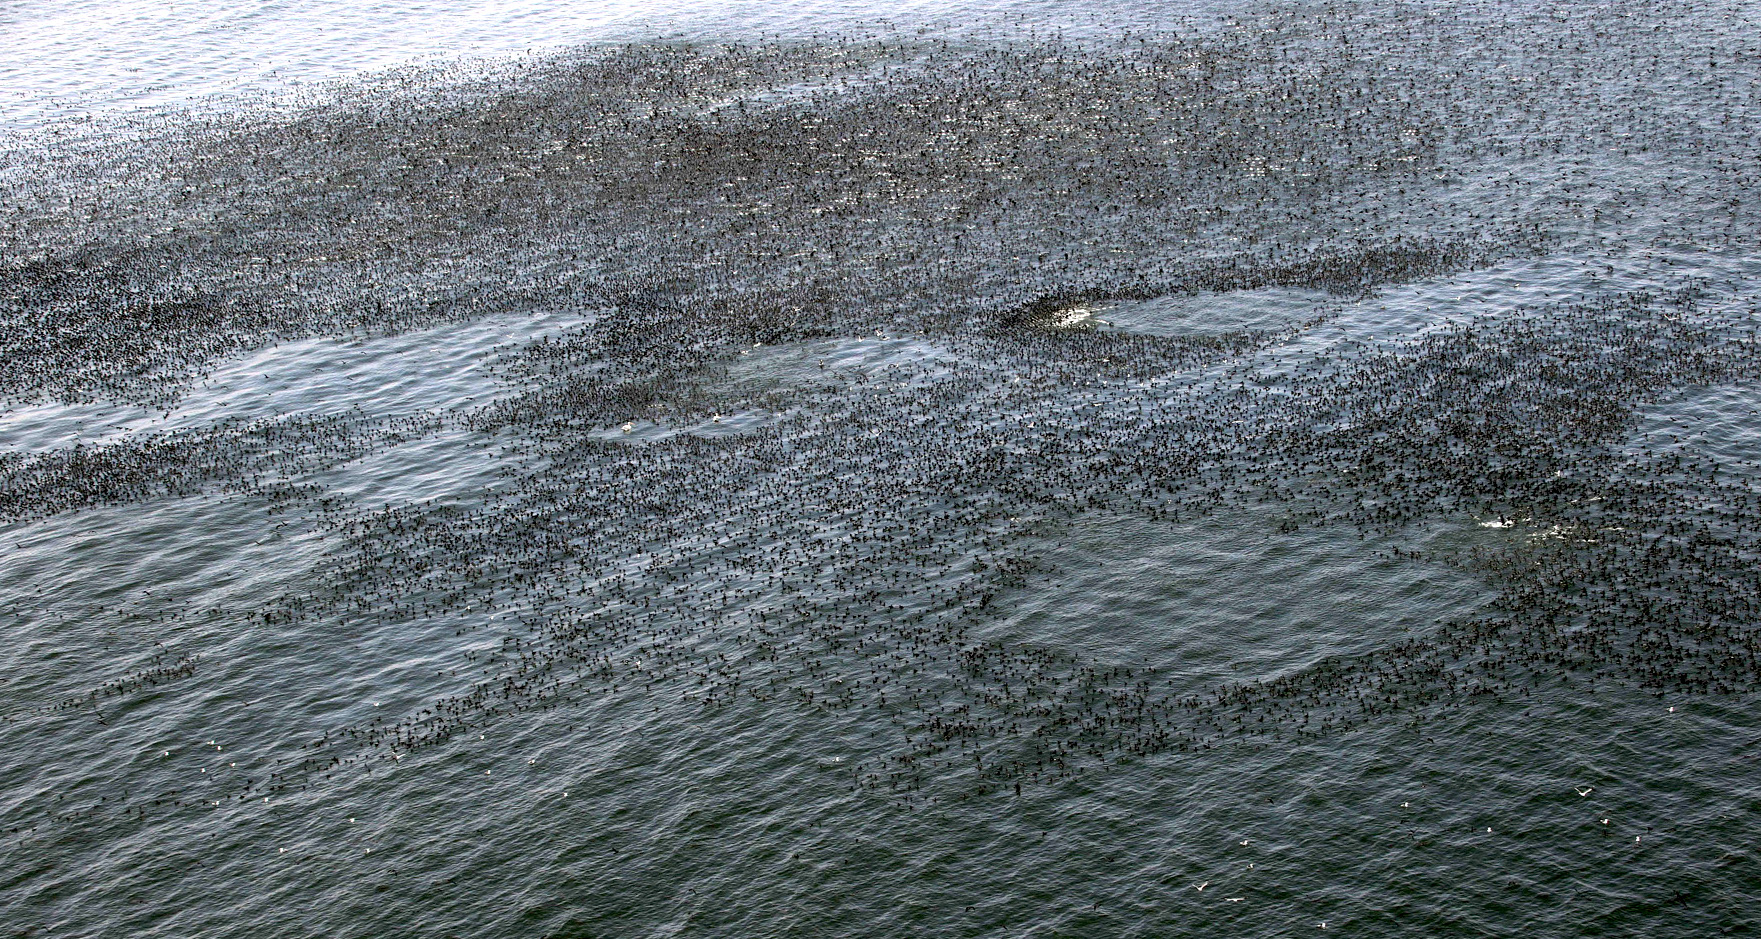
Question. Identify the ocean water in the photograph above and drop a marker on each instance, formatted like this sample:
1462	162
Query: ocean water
824	469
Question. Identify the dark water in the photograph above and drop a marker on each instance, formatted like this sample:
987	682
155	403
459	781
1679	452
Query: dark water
1220	471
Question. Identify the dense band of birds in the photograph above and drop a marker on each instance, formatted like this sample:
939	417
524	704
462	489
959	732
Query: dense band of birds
916	222
256	456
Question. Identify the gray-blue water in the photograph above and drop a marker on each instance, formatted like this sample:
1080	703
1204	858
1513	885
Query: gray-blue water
813	470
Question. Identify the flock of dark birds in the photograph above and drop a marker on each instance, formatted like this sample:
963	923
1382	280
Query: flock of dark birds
840	373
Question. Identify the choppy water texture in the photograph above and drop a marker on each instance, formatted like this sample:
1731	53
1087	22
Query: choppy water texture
1124	472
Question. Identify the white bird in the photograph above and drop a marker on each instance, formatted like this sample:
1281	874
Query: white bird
1233	899
1584	791
1202	886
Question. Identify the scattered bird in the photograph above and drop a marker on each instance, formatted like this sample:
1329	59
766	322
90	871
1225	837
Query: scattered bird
843	533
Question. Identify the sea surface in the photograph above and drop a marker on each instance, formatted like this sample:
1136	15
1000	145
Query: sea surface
825	469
